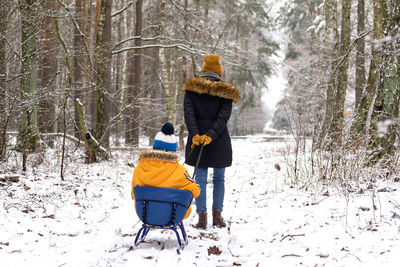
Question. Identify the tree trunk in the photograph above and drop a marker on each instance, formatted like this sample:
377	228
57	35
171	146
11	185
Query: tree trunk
137	83
364	112
341	88
118	73
28	128
386	107
331	45
103	73
360	53
4	7
78	59
169	84
156	91
93	75
134	84
47	72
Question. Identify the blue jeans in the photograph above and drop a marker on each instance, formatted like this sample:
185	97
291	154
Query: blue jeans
218	190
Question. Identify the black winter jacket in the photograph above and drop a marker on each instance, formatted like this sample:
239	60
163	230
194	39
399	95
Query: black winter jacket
207	108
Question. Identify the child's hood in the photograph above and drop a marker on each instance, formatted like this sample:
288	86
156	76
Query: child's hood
158	155
157	167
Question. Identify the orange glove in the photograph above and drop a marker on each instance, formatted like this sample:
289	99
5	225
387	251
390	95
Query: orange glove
195	140
205	139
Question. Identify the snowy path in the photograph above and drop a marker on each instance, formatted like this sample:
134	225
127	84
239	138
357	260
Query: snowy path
89	220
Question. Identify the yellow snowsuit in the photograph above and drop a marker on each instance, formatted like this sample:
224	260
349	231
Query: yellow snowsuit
161	169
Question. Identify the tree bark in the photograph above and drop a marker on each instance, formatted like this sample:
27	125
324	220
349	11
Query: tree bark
4	7
341	89
28	127
134	85
331	46
118	74
360	53
137	83
103	73
78	59
361	125
47	71
386	107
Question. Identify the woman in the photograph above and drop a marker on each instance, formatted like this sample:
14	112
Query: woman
207	108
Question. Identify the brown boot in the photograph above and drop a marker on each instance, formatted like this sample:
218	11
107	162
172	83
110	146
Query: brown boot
202	224
217	219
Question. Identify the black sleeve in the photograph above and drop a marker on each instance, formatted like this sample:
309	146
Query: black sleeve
223	116
190	115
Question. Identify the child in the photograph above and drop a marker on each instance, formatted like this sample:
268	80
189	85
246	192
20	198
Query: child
159	167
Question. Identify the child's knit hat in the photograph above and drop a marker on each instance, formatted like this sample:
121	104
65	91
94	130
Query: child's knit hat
165	140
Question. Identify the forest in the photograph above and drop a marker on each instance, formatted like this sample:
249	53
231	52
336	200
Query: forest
343	72
106	73
85	85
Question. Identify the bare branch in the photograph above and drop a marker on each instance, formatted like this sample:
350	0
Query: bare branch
116	13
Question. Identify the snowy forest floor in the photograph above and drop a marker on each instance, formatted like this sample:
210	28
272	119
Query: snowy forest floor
89	219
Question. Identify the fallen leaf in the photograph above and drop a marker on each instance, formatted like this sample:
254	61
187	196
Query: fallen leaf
28	210
5	244
214	250
277	166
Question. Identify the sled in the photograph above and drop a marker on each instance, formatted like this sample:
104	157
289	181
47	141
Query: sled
162	208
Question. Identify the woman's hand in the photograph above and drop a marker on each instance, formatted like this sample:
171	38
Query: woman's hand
195	140
205	139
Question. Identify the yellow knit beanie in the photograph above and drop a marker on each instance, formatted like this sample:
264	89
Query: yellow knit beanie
212	64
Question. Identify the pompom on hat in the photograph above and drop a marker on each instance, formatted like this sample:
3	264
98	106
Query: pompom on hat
212	64
165	140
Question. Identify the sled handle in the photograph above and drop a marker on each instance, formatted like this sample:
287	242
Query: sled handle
198	159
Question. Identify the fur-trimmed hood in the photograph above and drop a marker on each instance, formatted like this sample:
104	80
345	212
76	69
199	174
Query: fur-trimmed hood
159	155
220	89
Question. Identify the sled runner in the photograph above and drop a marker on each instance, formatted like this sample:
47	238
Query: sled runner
162	208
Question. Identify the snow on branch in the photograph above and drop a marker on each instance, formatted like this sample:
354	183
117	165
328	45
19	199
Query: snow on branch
116	13
179	46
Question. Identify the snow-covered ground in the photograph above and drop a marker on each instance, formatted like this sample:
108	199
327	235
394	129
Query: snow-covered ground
89	219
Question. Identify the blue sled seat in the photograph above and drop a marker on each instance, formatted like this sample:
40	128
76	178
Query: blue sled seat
161	208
